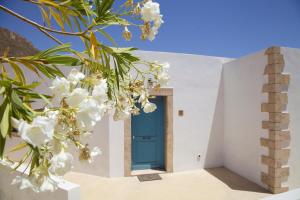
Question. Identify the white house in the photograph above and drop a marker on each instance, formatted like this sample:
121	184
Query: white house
242	113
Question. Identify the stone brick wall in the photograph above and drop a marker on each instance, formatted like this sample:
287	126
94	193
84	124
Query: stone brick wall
279	136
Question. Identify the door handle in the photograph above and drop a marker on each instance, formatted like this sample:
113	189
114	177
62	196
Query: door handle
133	137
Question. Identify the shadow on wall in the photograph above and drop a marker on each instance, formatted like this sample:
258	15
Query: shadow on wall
214	151
235	181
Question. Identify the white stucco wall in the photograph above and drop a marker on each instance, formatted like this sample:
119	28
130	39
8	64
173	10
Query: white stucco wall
65	191
243	82
198	91
292	67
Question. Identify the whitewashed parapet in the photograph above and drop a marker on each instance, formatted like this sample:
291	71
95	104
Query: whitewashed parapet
66	190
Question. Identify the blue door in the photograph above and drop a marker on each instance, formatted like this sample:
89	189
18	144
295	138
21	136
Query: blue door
148	138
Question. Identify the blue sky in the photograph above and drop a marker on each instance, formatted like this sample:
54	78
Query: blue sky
229	28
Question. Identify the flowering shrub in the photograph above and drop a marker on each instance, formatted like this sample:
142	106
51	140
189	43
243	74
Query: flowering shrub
106	79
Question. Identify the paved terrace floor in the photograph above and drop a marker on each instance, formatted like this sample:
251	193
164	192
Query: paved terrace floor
209	184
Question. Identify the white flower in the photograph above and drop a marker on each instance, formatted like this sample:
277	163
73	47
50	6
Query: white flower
163	78
41	130
158	21
77	96
121	114
149	107
52	114
14	122
24	183
143	96
48	184
127	34
90	111
100	91
60	87
150	11
75	76
61	163
153	33
95	152
40	183
165	66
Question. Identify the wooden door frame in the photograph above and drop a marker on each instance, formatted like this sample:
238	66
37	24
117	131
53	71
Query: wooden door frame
168	147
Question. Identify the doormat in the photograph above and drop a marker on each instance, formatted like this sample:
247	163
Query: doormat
148	177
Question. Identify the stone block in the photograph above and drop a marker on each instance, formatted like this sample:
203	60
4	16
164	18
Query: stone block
279	135
278	172
279	79
280	98
275	59
272	107
279	117
276	68
272	50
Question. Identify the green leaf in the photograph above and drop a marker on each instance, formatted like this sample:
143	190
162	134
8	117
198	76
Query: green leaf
34	161
103	7
45	16
30	66
57	18
16	99
18	72
53	50
5	121
30	86
44	98
20	146
107	36
2	145
62	60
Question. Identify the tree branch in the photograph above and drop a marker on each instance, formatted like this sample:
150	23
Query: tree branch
40	27
51	36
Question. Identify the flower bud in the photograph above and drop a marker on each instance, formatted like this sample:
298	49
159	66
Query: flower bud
127	34
129	3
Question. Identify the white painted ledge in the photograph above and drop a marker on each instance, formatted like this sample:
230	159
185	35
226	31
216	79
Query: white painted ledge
65	191
290	195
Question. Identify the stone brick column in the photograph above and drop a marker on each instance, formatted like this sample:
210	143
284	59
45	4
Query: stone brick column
277	125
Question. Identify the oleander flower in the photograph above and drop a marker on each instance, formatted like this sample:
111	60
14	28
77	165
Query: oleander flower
121	114
90	111
153	32
143	97
75	76
96	151
77	96
158	21
100	91
47	184
127	34
163	76
24	183
51	114
60	87
15	122
149	107
38	183
150	11
40	131
61	163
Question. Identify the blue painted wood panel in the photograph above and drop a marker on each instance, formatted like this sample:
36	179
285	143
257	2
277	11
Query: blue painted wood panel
148	138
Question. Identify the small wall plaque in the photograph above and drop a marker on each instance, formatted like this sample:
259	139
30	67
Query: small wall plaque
180	113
